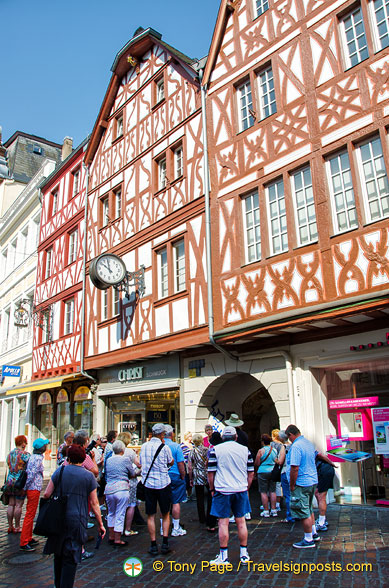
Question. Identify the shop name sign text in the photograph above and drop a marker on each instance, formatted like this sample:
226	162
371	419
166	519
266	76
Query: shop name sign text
135	373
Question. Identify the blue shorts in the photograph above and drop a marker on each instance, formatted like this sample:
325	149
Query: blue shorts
223	504
178	488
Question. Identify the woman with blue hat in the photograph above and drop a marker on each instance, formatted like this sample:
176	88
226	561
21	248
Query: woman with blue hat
33	489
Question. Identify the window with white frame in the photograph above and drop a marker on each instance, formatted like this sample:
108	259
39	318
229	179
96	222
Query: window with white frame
344	211
304	206
105	211
380	10
73	241
160	90
267	94
179	265
46	326
24	243
252	227
104	305
7	325
48	261
162	173
375	185
118	202
277	217
54	202
245	106
178	162
76	182
354	37
261	6
69	316
116	302
119	126
163	281
4	262
12	255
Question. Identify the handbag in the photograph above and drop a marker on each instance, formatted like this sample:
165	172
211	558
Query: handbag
275	475
140	488
21	480
4	498
52	512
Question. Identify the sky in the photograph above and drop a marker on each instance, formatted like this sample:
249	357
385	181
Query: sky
56	56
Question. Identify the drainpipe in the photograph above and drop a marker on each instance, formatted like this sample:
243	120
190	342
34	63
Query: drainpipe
208	227
82	347
289	373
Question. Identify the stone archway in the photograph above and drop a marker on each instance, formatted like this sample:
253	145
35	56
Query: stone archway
260	416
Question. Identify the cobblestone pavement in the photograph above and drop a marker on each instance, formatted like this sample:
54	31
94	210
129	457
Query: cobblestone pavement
356	535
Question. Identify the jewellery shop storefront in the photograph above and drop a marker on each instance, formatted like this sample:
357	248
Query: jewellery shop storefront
133	397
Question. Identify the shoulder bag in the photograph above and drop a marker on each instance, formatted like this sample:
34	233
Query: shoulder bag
140	488
52	512
21	480
4	498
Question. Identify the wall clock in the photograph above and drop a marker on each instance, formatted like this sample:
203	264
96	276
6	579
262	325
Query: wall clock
107	270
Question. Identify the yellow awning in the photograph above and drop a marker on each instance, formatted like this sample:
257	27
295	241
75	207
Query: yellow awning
38	385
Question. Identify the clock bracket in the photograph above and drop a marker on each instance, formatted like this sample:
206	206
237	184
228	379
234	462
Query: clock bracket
133	279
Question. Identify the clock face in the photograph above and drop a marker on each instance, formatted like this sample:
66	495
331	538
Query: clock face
109	270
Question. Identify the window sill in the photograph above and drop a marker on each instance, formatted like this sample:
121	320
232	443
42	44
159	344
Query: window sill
158	104
109	321
117	139
170	298
111	223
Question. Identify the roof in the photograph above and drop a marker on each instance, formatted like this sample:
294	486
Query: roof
25	154
32	137
73	155
136	47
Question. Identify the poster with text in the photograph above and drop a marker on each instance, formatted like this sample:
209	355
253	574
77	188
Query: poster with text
380	418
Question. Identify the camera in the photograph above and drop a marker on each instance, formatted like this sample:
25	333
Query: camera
91	446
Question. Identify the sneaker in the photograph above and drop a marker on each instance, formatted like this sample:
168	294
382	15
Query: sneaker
274	513
247	516
91	525
131	532
87	555
316	537
244	560
218	561
103	507
326	524
153	550
28	548
261	507
178	532
165	548
303	544
92	515
265	513
322	528
278	508
185	500
33	542
232	519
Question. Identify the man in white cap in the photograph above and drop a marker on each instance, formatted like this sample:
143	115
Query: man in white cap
157	485
230	474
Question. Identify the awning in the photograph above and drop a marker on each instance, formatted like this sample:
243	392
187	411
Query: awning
43	384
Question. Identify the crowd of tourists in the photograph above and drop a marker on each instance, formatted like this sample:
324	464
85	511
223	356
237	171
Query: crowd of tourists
104	478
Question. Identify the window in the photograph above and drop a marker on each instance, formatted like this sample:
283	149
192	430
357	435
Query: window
277	217
162	179
118	202
46	325
4	265
178	162
163	283
354	37
49	255
116	302
7	324
104	305
179	265
73	241
37	150
304	206
160	90
246	114
54	203
252	229
375	184
267	93
119	126
24	243
76	182
380	9
105	211
12	255
342	192
261	6
69	316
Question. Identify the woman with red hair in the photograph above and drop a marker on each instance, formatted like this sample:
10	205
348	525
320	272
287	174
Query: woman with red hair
17	462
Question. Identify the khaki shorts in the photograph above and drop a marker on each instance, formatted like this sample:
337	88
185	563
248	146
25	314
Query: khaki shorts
301	499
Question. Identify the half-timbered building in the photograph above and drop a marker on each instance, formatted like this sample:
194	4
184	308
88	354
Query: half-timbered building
62	396
146	206
298	118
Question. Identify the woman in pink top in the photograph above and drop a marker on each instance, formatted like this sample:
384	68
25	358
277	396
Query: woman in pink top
208	432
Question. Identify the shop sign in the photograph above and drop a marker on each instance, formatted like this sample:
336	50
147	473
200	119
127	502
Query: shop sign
62	396
11	370
381	430
44	398
348	403
82	393
135	373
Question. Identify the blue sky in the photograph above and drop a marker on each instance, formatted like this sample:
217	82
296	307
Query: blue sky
56	55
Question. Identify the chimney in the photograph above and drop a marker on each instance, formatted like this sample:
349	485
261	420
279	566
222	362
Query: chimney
67	147
2	148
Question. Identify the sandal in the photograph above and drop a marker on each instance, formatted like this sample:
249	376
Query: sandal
17	530
11	530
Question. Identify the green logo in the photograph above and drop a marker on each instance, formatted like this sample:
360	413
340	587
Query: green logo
133	567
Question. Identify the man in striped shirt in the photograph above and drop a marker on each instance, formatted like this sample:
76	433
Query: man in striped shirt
230	474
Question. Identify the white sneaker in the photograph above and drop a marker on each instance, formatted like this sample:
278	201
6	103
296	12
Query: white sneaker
232	519
265	513
244	560
274	513
178	532
218	561
247	516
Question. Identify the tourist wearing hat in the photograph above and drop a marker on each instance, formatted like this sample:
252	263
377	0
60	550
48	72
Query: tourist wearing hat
236	422
157	485
33	489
